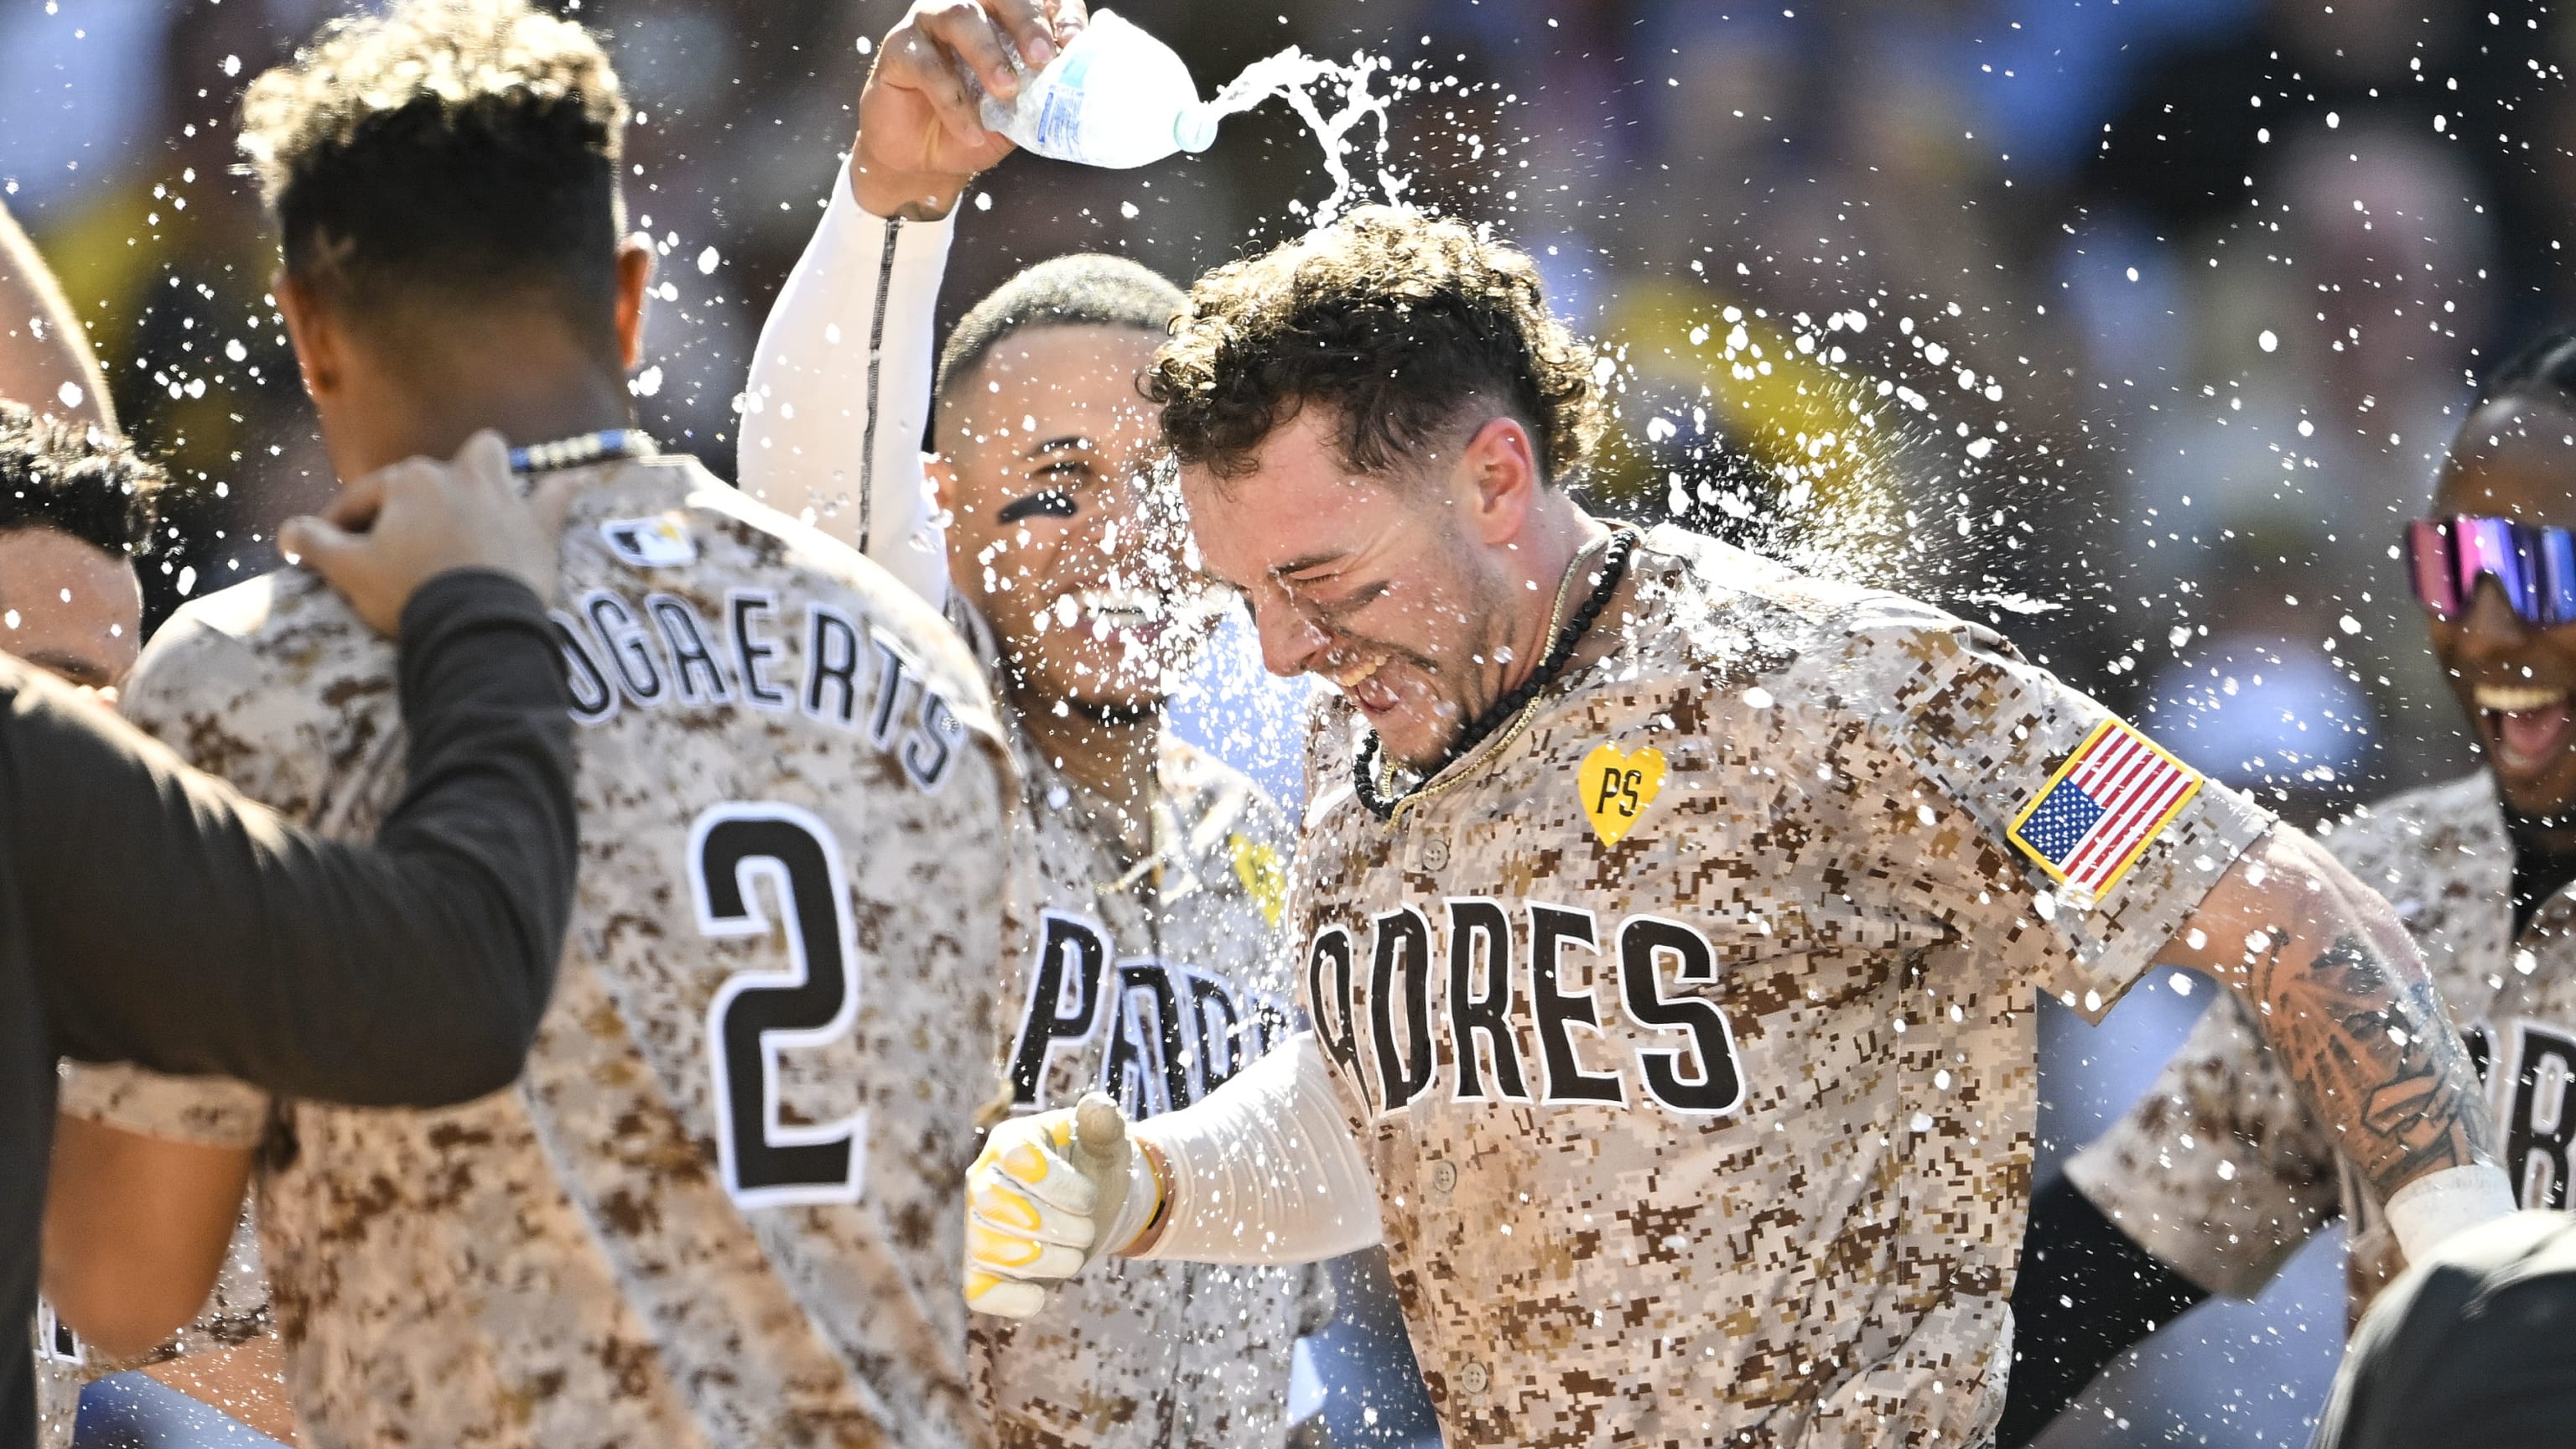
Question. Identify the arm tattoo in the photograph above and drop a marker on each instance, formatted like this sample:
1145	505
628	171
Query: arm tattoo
2375	1055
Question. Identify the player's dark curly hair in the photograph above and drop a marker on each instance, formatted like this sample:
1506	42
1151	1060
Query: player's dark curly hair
458	150
1391	320
75	479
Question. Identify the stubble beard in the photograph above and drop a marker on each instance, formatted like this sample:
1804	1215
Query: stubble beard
1467	688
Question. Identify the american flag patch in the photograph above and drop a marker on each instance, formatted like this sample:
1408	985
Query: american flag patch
2103	807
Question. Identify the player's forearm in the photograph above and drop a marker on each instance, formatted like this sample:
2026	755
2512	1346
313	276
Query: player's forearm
2341	996
42	346
135	1231
1262	1171
487	829
840	389
412	972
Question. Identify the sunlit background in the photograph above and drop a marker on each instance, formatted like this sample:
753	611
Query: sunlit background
2130	326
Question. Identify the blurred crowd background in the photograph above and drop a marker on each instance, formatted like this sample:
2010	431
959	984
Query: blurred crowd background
2133	326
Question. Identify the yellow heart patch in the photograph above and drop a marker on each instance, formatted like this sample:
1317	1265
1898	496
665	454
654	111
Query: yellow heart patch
1258	867
1617	787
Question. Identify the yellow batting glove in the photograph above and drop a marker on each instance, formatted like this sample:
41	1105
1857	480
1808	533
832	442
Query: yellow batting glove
1039	1197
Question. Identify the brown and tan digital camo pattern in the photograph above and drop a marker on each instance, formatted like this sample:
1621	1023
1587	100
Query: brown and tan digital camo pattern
1186	938
1754	1170
2222	1172
573	1262
236	1312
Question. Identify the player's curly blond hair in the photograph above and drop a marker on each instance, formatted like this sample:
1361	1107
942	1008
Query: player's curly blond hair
472	142
1392	320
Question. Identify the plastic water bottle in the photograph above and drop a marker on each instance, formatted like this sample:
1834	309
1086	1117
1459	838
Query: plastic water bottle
1115	97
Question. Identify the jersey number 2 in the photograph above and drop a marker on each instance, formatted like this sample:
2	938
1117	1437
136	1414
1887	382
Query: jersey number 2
760	1013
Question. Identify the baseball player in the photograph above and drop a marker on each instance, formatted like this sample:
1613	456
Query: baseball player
450	923
1158	970
715	1209
75	511
1671	921
75	504
2221	1171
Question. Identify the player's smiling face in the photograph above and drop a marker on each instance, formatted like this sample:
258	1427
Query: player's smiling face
2516	682
1375	584
1059	534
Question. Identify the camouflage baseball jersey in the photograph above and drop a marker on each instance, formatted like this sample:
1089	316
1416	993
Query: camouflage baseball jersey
1690	1035
1157	974
236	1312
720	1207
2220	1170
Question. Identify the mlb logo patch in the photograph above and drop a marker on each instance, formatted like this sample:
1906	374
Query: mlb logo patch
650	543
2103	808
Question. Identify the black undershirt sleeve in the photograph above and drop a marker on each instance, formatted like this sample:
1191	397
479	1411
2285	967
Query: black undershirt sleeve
2538	874
2086	1295
173	923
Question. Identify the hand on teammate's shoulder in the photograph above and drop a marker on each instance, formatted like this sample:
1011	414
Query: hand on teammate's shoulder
401	526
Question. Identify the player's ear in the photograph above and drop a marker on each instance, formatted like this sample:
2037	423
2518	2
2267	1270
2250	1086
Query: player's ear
318	345
1497	479
634	274
943	480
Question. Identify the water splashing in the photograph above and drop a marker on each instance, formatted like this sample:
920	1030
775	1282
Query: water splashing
1293	76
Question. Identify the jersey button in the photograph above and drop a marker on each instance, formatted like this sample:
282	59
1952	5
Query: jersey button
1472	1377
1444	1176
1435	853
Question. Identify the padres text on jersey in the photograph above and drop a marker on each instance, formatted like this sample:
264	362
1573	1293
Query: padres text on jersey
1155	980
1690	1039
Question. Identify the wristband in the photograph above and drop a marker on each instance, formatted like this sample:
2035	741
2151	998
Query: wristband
1141	1211
2438	1204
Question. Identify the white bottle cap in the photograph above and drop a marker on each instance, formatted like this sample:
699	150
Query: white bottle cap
1195	128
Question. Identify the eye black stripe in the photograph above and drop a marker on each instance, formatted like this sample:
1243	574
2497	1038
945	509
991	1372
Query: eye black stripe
1053	503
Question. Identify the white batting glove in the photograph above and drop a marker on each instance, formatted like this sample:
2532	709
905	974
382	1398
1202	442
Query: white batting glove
1049	1195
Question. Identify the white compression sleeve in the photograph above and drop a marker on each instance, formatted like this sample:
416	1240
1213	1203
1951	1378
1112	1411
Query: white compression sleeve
2438	1204
1264	1169
840	389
